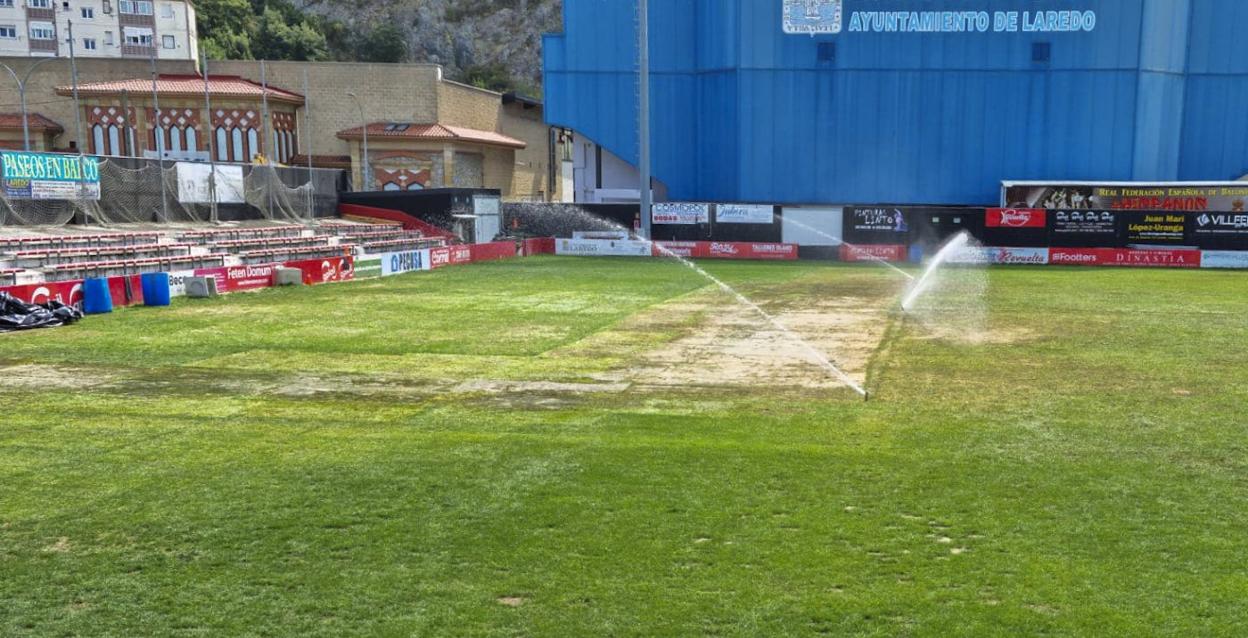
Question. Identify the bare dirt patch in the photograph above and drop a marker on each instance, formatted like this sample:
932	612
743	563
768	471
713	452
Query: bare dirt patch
52	377
735	346
511	601
509	387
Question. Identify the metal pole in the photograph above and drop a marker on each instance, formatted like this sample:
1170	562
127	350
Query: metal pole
158	132
266	129
365	163
307	125
212	140
643	44
21	91
73	75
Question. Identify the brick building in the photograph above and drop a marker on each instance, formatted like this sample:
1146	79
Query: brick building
470	136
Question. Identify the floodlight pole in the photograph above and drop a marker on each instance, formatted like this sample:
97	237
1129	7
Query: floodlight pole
643	47
158	133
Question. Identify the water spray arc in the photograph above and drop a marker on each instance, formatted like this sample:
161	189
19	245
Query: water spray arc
838	240
816	356
952	247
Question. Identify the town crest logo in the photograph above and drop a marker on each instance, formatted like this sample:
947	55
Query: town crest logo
812	17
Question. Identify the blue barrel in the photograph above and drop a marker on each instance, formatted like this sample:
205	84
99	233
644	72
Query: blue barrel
96	299
155	289
916	254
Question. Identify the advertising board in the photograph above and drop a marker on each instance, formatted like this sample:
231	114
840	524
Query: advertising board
873	252
397	263
1155	228
1236	259
681	213
1206	197
195	181
1220	227
602	247
1015	218
743	214
1000	255
1161	258
50	176
326	270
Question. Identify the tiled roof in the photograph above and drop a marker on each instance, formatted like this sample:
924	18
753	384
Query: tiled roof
37	122
185	86
432	132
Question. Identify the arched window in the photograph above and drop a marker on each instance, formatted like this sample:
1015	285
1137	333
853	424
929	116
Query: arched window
97	140
134	148
222	145
175	139
415	186
191	139
159	134
390	186
114	141
240	153
253	144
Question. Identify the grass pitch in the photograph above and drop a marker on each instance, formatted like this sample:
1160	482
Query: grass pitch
408	457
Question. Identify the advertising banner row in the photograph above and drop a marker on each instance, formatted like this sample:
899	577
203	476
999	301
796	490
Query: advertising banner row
127	290
1191	197
1123	257
695	213
1035	227
689	249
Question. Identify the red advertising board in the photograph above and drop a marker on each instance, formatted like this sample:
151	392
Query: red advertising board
125	291
450	256
1125	257
874	252
67	292
1015	218
237	278
751	250
688	249
539	246
495	250
320	271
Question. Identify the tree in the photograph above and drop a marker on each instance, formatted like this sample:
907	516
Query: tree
277	38
226	28
385	43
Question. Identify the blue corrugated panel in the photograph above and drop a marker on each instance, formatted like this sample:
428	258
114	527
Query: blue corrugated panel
743	111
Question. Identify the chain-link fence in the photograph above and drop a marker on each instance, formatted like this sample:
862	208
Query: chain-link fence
134	190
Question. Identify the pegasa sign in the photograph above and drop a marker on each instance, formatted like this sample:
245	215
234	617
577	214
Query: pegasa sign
812	17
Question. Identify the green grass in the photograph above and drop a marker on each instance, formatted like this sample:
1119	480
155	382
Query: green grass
1085	476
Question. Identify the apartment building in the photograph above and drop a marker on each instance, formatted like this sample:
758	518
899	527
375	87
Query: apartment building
164	29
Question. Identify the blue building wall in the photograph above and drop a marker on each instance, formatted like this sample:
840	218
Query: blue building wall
744	112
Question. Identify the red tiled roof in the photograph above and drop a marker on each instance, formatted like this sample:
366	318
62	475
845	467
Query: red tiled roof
37	122
185	86
432	132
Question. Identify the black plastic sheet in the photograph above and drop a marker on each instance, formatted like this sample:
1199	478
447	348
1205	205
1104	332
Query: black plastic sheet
16	314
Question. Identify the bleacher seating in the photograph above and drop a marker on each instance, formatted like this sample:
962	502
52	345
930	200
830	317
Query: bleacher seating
236	246
46	257
99	240
65	257
64	272
338	226
400	245
204	237
295	254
